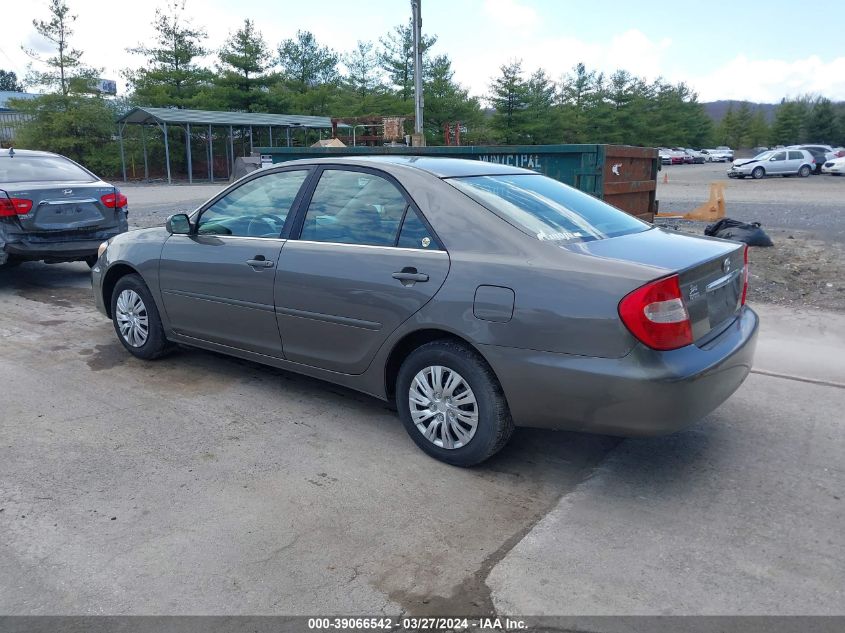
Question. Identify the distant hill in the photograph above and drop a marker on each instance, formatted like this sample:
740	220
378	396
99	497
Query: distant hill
716	110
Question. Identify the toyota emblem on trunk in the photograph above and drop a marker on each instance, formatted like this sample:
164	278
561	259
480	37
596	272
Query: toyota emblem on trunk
67	192
726	265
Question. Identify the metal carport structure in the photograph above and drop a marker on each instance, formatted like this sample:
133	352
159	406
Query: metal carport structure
169	118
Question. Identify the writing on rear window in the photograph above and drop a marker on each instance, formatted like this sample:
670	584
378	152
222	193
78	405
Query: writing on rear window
560	235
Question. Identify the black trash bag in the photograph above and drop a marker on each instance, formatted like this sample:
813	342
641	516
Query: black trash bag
730	229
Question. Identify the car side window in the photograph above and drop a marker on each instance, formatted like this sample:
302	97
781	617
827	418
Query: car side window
415	233
796	156
258	208
351	207
779	156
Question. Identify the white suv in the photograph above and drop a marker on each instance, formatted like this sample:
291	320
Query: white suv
778	162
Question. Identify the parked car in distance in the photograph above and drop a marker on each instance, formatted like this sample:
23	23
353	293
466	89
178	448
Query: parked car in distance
726	151
54	210
475	296
821	154
820	157
696	156
665	156
678	157
714	156
835	167
782	162
686	157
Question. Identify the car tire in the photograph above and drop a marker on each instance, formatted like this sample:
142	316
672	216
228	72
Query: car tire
443	365
804	171
136	319
758	173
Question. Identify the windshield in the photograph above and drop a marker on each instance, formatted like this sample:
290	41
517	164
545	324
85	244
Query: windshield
547	209
762	155
41	169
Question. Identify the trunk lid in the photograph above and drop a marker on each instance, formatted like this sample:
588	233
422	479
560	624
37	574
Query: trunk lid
65	206
710	271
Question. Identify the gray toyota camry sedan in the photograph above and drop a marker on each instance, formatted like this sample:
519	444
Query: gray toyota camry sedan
477	297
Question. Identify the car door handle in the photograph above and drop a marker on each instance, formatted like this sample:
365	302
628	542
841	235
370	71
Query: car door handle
410	275
260	263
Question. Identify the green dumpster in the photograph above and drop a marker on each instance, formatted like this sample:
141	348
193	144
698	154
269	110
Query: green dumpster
624	176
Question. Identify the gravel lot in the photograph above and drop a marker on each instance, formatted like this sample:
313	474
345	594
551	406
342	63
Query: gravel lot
815	205
805	217
149	205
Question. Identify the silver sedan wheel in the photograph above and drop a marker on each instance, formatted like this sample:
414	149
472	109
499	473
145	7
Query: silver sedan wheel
132	318
443	407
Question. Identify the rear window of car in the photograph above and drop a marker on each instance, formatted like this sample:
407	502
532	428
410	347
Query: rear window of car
795	155
41	169
547	209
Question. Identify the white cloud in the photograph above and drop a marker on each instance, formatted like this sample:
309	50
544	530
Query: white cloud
636	53
511	14
631	50
769	80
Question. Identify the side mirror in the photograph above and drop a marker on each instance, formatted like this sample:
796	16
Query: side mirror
178	224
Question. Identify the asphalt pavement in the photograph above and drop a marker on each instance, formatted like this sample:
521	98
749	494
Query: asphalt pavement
740	515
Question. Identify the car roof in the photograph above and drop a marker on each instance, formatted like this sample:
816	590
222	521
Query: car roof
24	152
438	166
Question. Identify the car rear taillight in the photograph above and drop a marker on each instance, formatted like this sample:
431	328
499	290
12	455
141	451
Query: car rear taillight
744	277
112	200
10	207
656	314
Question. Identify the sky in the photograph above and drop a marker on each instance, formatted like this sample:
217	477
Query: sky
723	50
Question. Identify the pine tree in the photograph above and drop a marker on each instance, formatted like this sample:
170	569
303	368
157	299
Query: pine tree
447	101
788	127
244	60
821	123
577	97
397	57
66	71
540	125
172	76
306	65
758	130
362	67
739	136
9	82
509	97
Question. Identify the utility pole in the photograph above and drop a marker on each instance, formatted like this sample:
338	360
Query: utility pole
416	23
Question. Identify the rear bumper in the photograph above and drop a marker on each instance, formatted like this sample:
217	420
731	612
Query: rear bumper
644	393
53	250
